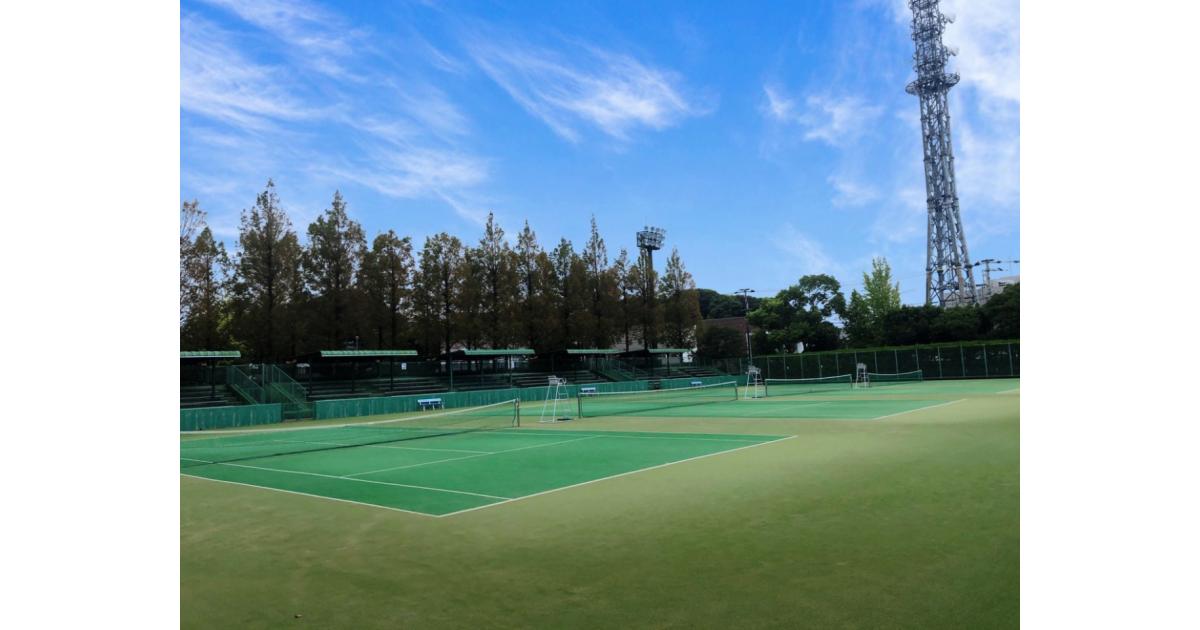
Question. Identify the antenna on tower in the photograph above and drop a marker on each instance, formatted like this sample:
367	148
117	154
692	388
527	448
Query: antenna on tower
949	275
987	288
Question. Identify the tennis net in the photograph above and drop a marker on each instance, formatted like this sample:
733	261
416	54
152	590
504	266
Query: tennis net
792	386
898	378
619	403
200	448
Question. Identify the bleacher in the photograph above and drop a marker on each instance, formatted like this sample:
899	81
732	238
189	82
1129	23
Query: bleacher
196	396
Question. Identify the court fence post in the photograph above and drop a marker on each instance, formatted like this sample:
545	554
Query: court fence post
962	359
1010	363
939	360
986	372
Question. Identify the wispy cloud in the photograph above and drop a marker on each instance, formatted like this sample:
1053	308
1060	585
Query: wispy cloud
407	137
808	253
217	81
834	120
612	92
849	192
321	39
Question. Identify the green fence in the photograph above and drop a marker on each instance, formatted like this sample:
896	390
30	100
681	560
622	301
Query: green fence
229	417
245	386
282	389
355	407
989	359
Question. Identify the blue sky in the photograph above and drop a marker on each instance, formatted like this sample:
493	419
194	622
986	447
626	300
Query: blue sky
771	140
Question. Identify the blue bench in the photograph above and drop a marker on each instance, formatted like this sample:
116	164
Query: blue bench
697	383
430	403
587	391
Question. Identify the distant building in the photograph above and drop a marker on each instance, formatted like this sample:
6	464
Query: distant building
995	287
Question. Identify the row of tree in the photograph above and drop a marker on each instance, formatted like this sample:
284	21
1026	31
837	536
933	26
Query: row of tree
815	311
276	297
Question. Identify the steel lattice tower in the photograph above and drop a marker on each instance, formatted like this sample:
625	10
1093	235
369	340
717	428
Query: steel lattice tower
948	274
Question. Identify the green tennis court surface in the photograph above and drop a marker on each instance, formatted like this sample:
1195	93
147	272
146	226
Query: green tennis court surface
456	472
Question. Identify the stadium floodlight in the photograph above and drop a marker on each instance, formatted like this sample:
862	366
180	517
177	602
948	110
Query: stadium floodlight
651	238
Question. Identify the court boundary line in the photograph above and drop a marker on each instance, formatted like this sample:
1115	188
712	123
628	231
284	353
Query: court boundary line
343	477
500	501
901	413
455	459
624	474
310	495
1009	391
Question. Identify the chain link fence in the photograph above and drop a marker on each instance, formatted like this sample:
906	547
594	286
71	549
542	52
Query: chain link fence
988	359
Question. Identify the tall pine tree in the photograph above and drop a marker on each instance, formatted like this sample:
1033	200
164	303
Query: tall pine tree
386	280
681	304
331	263
266	279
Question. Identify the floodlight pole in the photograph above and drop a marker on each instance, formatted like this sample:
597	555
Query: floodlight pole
746	302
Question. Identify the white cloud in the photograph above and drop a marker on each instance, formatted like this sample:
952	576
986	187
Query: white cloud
849	192
321	38
217	81
808	253
610	91
834	120
988	169
904	221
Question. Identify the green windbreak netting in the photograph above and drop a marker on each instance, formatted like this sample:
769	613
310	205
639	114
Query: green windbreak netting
619	403
792	386
880	380
201	449
382	405
228	417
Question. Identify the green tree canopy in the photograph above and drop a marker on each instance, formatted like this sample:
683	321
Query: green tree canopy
331	263
802	312
267	287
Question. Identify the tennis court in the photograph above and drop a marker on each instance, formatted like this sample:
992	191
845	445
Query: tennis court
441	464
445	463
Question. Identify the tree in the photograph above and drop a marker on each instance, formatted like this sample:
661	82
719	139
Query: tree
437	288
468	308
1002	314
539	303
602	289
575	323
960	323
681	306
720	342
714	305
331	263
386	278
266	278
202	294
909	325
629	278
501	293
867	310
191	220
802	312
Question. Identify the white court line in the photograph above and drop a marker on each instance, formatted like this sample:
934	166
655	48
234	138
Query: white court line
631	472
892	415
603	434
1009	391
384	483
455	459
435	450
305	494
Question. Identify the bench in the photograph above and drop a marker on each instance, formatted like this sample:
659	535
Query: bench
697	383
587	391
429	403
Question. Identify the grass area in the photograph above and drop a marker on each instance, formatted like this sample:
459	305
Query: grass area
906	521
